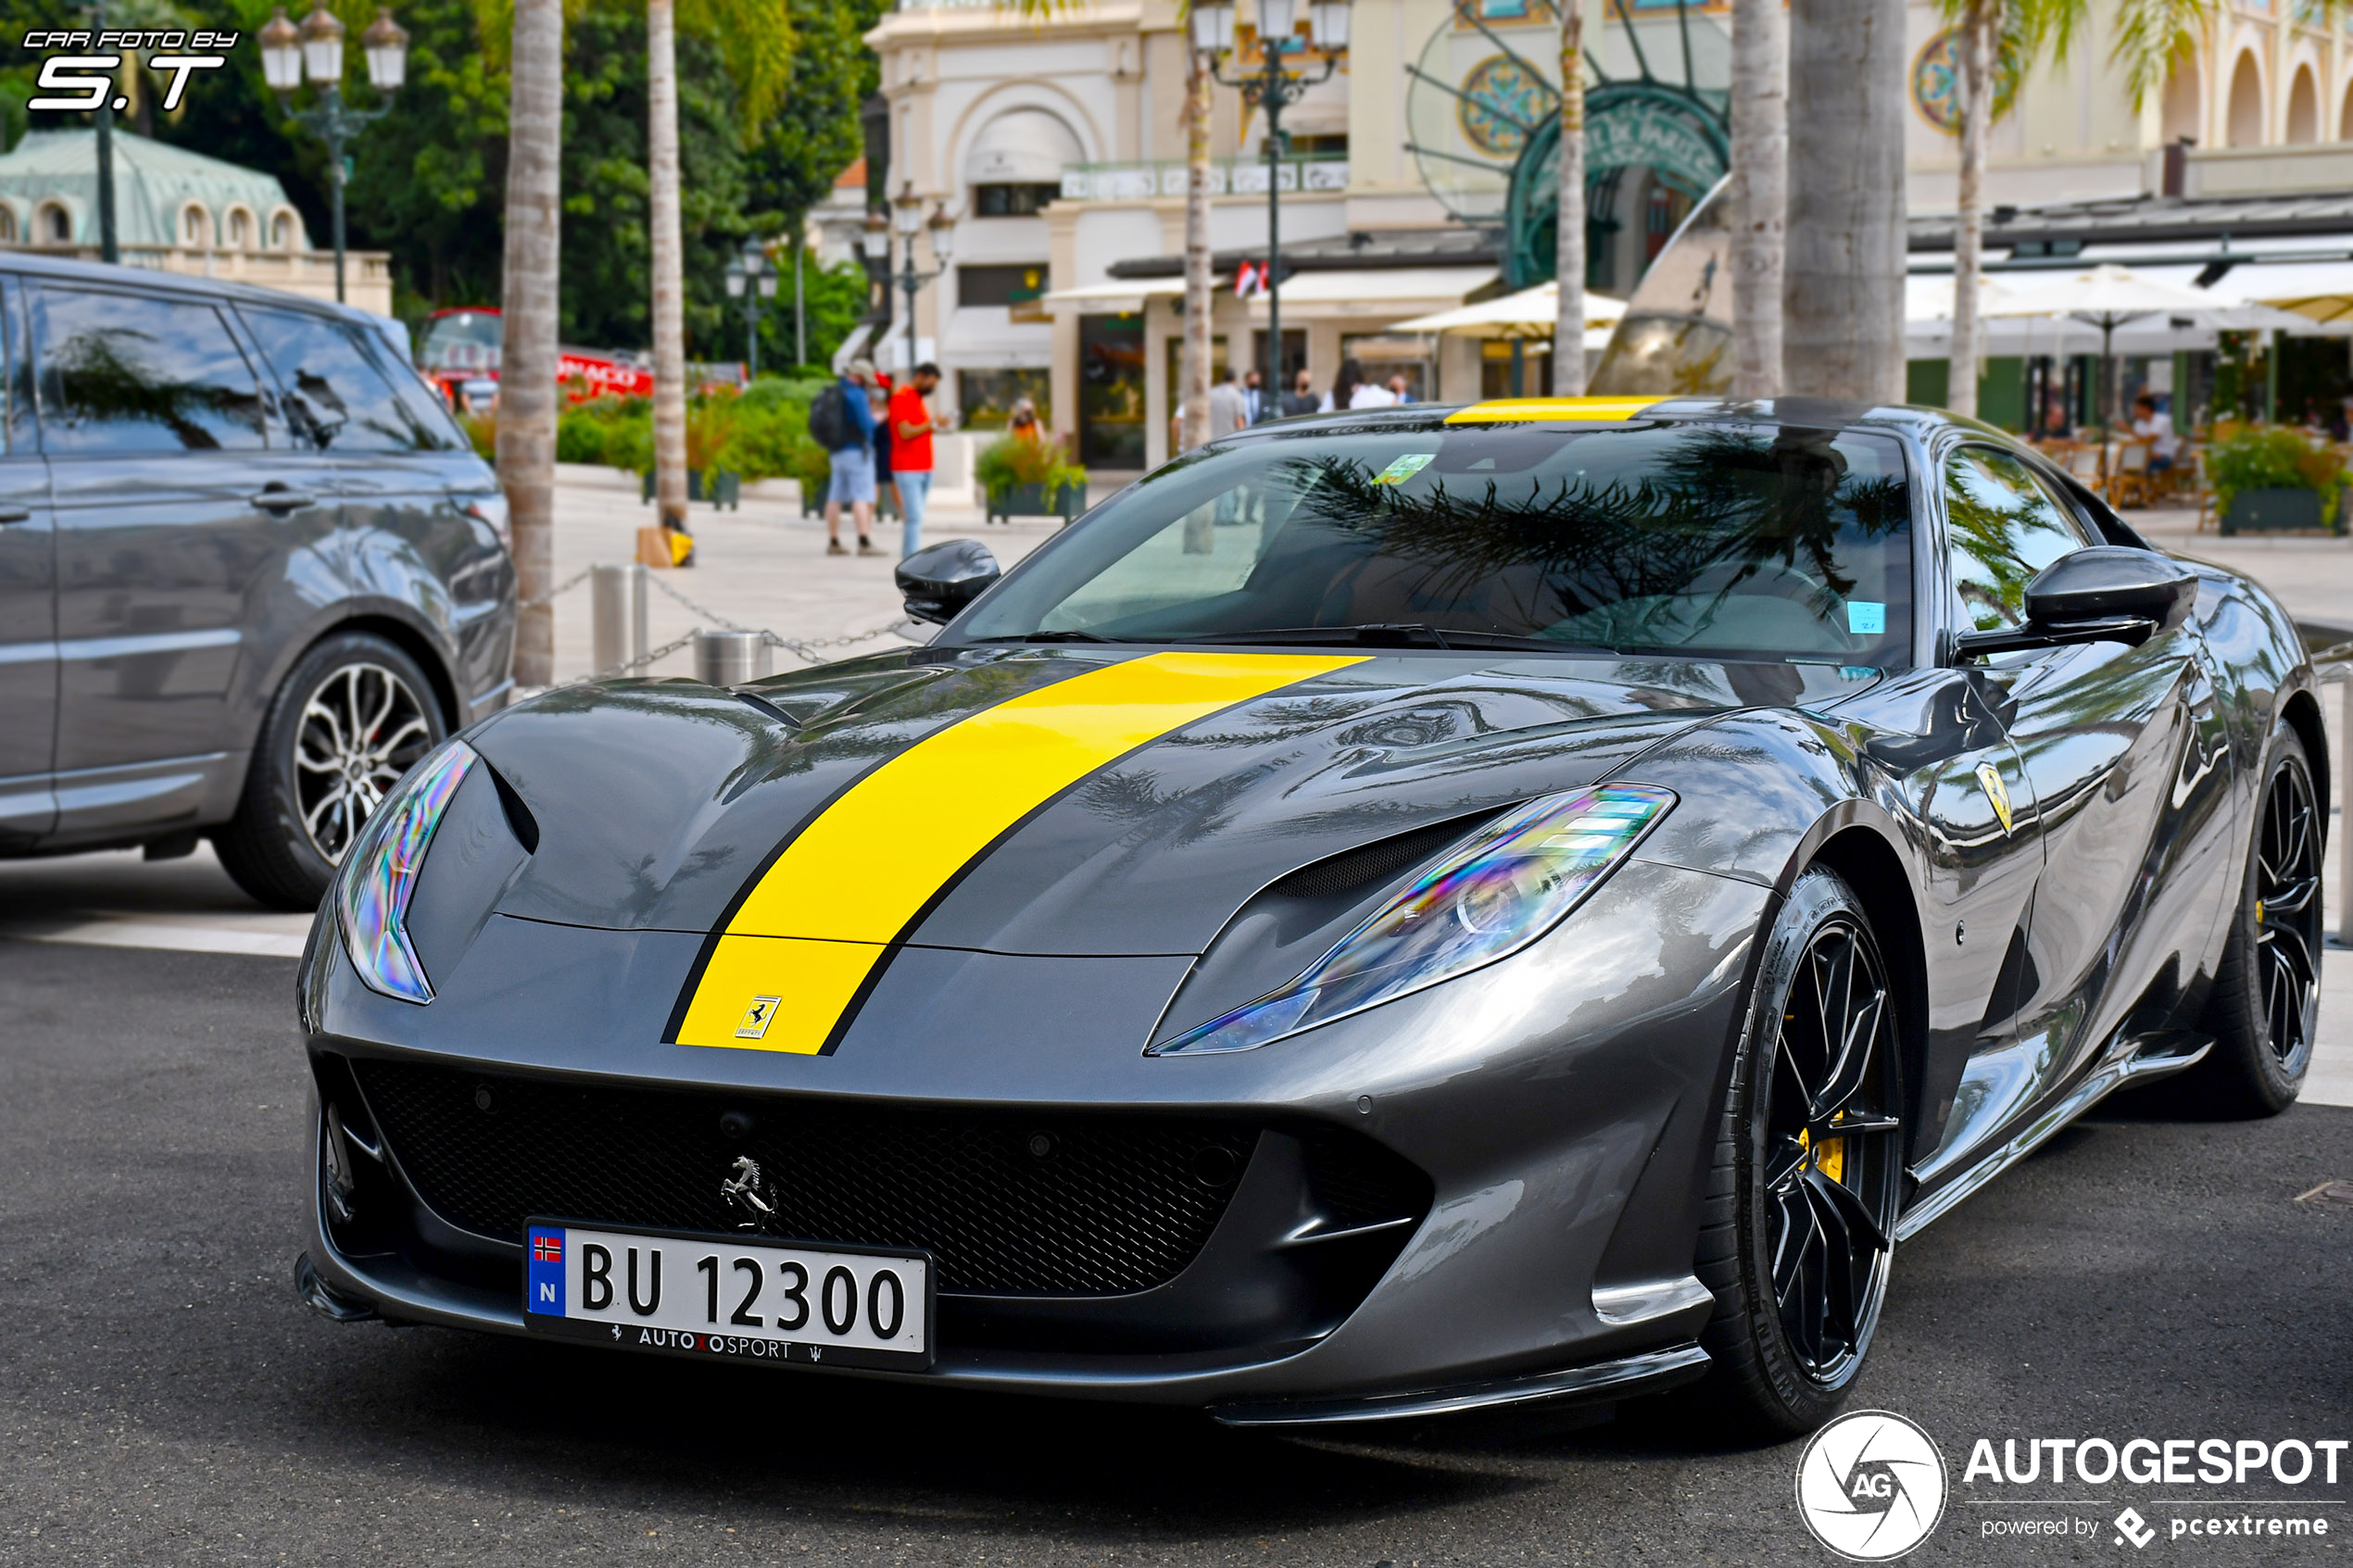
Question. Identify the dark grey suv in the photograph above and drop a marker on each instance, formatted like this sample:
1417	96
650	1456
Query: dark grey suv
250	570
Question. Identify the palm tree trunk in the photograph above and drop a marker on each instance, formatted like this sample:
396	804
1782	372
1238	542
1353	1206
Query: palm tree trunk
1198	301
669	262
527	361
1760	192
1980	48
1568	237
1843	297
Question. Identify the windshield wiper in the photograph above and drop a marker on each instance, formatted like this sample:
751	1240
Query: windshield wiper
1069	636
1390	634
1378	633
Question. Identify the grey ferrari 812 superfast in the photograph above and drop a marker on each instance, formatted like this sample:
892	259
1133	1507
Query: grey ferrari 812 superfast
1395	912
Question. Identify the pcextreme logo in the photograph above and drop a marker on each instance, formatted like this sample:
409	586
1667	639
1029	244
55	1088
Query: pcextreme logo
1870	1485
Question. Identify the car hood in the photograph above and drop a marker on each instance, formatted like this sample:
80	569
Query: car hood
663	805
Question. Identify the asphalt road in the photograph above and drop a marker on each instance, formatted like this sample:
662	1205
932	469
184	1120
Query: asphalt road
163	1398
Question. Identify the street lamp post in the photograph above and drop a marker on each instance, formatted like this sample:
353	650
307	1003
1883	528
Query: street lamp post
314	51
907	217
752	279
1271	88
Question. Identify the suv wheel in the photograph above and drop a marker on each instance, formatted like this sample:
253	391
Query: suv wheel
354	714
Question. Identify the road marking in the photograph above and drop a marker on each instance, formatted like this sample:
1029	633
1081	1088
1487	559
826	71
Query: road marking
113	932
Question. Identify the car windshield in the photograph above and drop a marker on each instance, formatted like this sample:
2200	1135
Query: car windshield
1746	541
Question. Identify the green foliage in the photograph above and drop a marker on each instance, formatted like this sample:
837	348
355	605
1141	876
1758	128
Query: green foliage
2271	458
1013	459
759	433
768	99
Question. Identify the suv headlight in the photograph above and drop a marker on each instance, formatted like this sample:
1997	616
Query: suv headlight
1518	878
378	875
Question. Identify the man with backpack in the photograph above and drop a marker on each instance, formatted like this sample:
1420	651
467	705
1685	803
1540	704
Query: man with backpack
842	422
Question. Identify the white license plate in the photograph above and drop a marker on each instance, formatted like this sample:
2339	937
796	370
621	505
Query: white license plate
729	1297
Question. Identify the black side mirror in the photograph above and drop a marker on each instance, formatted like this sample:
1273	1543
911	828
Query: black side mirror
941	580
2106	593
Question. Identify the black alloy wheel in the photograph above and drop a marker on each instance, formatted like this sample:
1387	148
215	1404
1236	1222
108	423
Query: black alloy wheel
1833	1170
2288	915
1808	1177
2264	1005
353	715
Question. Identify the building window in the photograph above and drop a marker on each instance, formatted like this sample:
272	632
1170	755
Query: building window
55	225
1111	390
7	225
196	227
985	398
1018	284
281	232
1013	201
239	229
1333	145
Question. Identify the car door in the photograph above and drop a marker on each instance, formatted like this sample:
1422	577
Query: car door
405	476
183	537
2109	735
27	595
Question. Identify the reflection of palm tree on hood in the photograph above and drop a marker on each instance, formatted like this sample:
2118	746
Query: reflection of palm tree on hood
103	379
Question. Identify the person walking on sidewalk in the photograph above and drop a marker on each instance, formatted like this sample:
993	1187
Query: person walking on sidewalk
911	425
843	422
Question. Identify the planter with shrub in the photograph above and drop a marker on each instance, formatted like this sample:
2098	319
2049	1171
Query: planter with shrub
2271	480
1025	478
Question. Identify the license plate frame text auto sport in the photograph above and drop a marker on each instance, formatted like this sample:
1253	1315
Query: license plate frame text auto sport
733	1297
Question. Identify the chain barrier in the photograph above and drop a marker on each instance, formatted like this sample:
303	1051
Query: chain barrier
801	647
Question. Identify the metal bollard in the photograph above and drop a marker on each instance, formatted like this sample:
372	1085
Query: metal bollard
729	659
617	615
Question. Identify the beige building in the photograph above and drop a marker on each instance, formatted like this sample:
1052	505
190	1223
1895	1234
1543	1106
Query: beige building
1058	146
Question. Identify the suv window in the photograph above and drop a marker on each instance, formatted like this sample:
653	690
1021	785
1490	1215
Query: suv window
139	374
336	398
2005	528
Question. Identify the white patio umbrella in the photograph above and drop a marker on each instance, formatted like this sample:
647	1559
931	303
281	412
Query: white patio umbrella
2108	297
1532	313
1529	313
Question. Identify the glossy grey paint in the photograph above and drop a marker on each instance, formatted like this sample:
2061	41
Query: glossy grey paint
177	605
1563	1102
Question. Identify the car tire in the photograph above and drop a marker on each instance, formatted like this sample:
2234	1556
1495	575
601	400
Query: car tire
1796	1240
2265	1001
352	715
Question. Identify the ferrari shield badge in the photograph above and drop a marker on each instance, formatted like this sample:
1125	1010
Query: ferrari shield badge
1996	791
763	1010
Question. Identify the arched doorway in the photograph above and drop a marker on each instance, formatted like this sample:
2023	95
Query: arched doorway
2303	108
2245	126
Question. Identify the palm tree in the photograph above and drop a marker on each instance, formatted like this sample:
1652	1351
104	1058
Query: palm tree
1760	192
2153	38
1843	292
527	362
756	42
668	261
1198	302
1568	237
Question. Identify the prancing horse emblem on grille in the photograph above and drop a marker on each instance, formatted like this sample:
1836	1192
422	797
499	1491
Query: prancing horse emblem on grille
742	1193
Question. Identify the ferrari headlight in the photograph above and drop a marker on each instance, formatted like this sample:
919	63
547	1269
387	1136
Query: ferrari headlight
371	897
1509	885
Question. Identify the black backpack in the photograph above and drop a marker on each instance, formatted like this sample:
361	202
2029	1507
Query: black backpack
829	420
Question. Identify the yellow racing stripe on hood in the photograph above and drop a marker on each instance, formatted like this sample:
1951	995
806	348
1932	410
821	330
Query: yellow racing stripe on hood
792	961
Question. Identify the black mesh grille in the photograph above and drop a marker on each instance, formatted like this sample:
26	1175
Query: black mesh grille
1112	1204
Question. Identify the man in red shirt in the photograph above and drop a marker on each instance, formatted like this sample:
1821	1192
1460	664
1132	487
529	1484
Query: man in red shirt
912	424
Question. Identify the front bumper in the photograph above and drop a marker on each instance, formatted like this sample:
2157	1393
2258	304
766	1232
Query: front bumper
1556	1109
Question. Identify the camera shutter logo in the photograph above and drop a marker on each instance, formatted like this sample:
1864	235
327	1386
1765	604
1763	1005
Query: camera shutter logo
1870	1485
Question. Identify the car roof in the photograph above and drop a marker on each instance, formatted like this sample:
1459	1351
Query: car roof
1827	413
152	279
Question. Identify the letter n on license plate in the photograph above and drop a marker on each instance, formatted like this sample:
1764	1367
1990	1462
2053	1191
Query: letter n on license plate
729	1297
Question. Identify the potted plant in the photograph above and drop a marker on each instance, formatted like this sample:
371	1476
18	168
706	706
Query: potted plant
2267	479
1027	478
